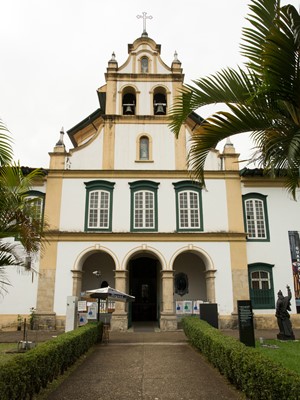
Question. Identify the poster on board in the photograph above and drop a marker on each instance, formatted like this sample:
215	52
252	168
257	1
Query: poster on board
179	307
92	311
188	307
294	239
82	319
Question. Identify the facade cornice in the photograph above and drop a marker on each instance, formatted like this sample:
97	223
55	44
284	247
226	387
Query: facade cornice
128	77
131	174
55	236
136	119
263	182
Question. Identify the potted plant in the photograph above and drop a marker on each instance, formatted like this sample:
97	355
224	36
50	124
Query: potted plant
19	320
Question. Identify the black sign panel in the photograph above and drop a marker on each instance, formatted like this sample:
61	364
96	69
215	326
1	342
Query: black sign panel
246	326
209	313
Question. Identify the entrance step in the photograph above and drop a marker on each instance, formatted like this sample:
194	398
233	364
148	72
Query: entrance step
145	326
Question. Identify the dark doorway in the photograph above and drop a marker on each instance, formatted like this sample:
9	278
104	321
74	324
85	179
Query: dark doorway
143	285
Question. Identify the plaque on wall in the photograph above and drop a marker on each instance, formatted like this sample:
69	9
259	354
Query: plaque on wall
181	284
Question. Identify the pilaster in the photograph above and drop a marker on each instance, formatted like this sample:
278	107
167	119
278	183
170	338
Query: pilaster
109	144
77	279
210	285
119	320
168	319
238	250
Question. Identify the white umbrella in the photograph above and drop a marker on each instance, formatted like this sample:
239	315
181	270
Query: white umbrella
109	293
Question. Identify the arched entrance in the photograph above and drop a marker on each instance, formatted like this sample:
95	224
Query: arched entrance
87	264
189	277
144	284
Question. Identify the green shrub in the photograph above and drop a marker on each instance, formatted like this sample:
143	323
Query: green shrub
27	373
245	367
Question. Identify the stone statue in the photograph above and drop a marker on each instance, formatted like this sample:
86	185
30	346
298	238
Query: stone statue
283	305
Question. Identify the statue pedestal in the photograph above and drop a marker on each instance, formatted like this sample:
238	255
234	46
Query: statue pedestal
282	336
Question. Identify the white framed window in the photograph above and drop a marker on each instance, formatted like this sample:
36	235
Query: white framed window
36	204
35	201
255	216
144	210
99	209
189	215
144	148
99	200
260	280
144	205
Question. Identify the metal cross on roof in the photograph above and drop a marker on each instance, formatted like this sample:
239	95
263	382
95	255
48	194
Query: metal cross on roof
145	17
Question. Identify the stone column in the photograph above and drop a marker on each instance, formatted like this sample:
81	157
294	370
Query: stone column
210	285
77	279
168	320
119	320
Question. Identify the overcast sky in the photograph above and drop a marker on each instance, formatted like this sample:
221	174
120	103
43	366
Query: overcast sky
54	54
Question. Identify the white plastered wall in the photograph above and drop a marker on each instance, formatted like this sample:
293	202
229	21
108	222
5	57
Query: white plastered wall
89	155
74	204
283	215
20	296
163	147
218	252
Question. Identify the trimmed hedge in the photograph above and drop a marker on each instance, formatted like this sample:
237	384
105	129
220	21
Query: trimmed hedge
27	373
246	368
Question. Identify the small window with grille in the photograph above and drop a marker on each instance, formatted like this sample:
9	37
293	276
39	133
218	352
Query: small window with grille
144	148
144	65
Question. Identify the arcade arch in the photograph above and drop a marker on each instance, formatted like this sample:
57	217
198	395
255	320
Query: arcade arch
194	275
87	263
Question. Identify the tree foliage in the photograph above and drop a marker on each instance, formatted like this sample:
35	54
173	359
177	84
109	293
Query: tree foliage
6	151
21	226
262	98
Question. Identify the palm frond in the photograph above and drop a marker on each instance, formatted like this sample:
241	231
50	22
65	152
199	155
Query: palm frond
240	119
262	16
6	151
18	218
228	86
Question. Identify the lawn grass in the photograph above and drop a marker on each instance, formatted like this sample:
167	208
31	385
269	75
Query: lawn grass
287	354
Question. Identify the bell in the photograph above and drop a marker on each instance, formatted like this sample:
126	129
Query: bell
159	109
128	110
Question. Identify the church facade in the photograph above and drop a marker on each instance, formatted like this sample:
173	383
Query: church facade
121	202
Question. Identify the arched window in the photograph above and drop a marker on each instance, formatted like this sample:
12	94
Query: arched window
144	148
144	65
35	202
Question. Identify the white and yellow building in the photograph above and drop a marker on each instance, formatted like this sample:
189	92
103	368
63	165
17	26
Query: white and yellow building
121	201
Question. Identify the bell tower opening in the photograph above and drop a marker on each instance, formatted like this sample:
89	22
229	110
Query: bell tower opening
159	102
129	101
